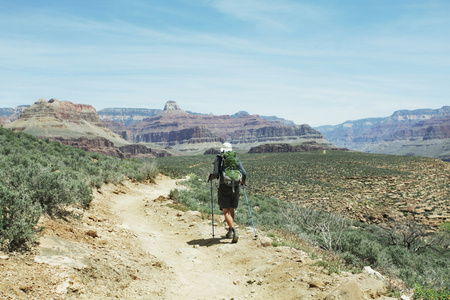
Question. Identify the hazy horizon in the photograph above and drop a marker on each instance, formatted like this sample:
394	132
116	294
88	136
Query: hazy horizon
251	113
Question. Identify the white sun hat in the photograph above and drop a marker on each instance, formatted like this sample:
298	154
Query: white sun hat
226	147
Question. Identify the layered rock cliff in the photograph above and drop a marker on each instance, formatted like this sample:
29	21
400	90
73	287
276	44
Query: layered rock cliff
423	132
126	116
63	119
183	131
72	124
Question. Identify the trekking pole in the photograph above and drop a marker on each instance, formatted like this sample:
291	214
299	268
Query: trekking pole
212	210
245	194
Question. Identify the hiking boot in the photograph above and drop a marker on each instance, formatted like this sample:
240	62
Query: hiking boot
235	237
229	234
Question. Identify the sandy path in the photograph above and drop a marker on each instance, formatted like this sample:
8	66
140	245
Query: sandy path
202	267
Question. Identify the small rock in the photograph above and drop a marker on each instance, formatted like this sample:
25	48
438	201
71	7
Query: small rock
92	233
160	198
371	272
316	283
94	218
265	241
4	256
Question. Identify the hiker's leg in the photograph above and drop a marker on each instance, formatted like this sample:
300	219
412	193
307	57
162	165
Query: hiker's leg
232	217
228	218
235	235
234	202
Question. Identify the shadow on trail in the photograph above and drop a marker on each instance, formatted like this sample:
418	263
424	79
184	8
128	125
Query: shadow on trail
209	242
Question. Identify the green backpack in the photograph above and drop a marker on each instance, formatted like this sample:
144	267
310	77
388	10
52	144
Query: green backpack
230	169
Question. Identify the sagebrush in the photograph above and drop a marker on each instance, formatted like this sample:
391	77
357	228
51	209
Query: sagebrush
38	176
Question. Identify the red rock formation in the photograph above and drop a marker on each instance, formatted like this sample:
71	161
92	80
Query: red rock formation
62	110
119	129
77	125
175	126
141	151
98	145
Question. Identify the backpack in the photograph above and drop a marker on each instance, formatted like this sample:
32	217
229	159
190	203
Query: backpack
230	169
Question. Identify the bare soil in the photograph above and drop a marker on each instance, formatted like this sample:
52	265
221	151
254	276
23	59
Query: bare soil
132	244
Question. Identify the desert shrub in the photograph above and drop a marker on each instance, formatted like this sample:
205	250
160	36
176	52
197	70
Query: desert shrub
323	229
52	190
267	211
18	216
143	169
38	176
197	197
350	259
410	234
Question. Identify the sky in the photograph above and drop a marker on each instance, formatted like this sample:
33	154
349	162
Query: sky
318	62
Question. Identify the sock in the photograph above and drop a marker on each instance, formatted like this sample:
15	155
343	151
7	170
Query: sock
233	229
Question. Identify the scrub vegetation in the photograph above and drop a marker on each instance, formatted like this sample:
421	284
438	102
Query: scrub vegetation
38	176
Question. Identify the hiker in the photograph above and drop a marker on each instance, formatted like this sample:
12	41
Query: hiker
230	172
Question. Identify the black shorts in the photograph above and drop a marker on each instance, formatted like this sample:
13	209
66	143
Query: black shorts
228	199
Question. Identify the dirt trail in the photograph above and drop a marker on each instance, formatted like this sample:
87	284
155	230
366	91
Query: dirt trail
202	267
132	245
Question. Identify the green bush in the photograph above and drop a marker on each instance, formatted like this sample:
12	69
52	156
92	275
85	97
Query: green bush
146	171
38	176
18	216
200	200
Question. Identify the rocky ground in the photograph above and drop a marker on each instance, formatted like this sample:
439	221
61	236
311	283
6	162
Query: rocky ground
132	244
